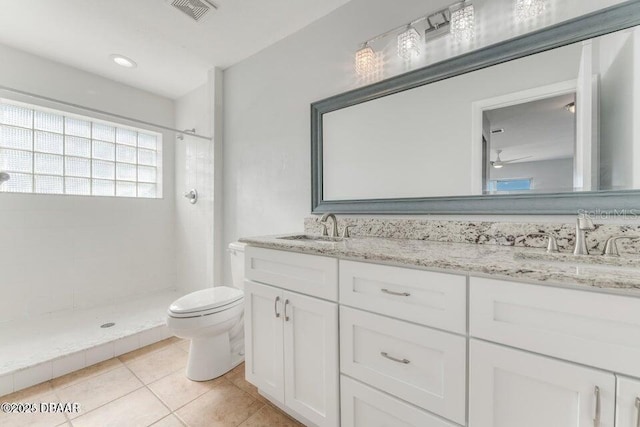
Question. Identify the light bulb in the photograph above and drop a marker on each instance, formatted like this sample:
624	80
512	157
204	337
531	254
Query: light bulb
528	9
409	44
463	21
365	61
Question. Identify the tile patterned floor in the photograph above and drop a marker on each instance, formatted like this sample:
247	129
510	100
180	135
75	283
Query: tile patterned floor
148	387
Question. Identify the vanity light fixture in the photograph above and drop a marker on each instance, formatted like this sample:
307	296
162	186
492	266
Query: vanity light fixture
365	61
123	61
463	21
528	9
409	43
571	107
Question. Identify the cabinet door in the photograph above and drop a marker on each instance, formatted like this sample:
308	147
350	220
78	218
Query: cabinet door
311	358
628	403
264	338
510	388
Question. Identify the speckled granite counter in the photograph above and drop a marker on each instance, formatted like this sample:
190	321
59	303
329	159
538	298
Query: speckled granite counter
500	262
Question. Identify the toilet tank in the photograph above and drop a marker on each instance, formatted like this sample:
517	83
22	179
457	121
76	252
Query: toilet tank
236	251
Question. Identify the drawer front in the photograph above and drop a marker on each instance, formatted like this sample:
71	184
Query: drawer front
433	299
594	329
423	366
628	402
363	406
307	274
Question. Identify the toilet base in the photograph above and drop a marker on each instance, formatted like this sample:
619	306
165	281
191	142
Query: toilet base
210	357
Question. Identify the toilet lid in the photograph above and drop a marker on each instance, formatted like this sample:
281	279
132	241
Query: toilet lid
206	299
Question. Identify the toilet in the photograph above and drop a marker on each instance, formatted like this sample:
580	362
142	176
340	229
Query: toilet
213	320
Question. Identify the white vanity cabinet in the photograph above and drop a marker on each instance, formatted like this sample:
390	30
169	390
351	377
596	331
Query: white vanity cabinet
291	340
628	402
416	348
570	346
510	388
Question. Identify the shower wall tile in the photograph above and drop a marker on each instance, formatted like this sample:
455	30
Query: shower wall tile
32	376
67	364
6	384
127	344
99	353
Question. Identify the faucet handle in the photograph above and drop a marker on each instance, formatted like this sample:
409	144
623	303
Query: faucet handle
345	231
611	246
552	246
585	223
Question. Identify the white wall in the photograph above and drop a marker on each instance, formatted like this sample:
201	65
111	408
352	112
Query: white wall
267	97
63	252
619	68
194	169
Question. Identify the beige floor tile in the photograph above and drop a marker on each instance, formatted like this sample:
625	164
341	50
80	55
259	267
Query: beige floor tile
138	409
158	364
225	405
237	377
269	416
170	421
39	394
141	352
96	391
88	372
176	390
184	344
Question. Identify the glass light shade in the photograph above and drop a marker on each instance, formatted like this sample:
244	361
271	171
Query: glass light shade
463	25
409	44
365	61
528	9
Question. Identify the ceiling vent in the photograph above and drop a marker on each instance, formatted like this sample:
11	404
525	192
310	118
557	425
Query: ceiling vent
195	9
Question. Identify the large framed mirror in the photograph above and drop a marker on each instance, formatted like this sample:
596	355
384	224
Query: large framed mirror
546	123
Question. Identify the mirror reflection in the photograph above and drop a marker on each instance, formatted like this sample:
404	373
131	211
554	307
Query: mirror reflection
554	122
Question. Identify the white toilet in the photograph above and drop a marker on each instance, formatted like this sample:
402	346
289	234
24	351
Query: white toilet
213	320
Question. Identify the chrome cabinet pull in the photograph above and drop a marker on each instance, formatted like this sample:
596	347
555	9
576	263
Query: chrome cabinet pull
386	355
637	411
596	420
286	316
398	294
275	306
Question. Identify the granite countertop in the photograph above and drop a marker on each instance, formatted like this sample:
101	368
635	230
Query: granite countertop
502	262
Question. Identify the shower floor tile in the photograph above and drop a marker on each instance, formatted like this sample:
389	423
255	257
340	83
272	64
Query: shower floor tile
114	393
66	341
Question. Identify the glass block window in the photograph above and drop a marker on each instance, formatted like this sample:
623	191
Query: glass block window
52	152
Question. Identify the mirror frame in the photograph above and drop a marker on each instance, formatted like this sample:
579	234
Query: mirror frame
619	17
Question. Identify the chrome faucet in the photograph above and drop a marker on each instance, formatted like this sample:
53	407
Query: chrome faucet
583	224
334	229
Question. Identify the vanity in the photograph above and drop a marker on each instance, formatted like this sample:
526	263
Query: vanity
409	329
383	332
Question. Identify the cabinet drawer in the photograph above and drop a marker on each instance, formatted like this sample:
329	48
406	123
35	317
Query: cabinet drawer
628	402
364	406
585	327
423	366
428	298
307	274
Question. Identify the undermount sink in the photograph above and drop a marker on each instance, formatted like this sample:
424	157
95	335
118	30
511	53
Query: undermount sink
312	238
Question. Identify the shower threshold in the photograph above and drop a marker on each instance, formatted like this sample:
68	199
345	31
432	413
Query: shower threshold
39	349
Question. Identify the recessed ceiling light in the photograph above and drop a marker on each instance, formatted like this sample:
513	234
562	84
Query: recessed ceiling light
123	61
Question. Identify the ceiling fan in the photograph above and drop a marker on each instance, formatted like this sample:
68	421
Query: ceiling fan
498	163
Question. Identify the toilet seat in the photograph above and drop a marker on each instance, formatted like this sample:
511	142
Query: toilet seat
206	302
